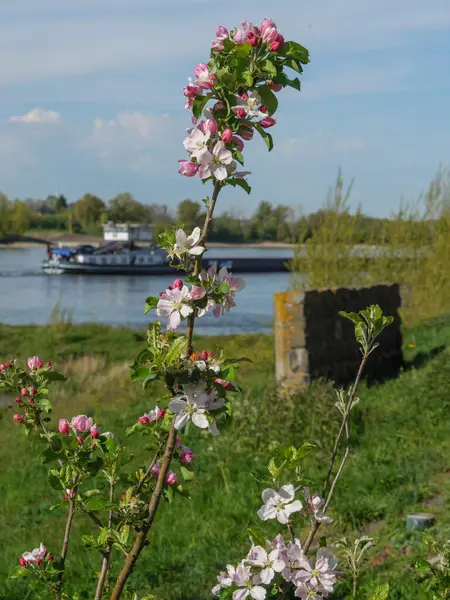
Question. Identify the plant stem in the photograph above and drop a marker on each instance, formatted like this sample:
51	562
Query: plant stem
106	558
153	504
141	537
65	545
198	260
344	427
91	515
148	471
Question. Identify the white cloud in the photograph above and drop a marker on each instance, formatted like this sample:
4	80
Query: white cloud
37	115
320	145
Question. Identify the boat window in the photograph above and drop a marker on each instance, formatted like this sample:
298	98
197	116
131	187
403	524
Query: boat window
113	260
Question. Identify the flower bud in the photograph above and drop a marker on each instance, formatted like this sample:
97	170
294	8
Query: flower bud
210	354
34	362
171	478
237	142
263	108
63	426
8	365
95	432
31	400
144	420
18	399
187	456
38	561
50	557
253	39
24	392
227	385
279	41
155	469
220	109
178	284
161	413
276	87
22	562
2	368
80	440
18	418
204	355
267	122
48	363
187	168
32	390
246	131
227	134
222	32
240	112
82	423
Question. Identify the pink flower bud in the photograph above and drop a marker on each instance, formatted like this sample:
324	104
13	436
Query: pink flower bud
227	385
18	418
201	70
244	96
192	91
219	107
222	32
267	24
227	134
217	45
80	440
48	363
263	108
32	390
169	287
82	423
178	284
31	400
22	562
8	365
155	469
187	168
246	131
267	122
2	368
50	557
187	456
34	362
274	46
178	442
209	126
63	426
204	355
253	39
144	420
161	413
18	399
171	478
240	112
276	87
24	392
210	354
38	561
237	142
197	293
95	432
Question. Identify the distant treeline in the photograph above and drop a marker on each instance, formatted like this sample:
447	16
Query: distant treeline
278	223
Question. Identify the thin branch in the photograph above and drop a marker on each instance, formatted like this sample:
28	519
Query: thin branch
341	468
153	504
107	556
90	514
65	545
148	471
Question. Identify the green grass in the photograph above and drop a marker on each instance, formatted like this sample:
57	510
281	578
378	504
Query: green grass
400	450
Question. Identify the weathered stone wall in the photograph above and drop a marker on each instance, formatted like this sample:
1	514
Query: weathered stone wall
312	340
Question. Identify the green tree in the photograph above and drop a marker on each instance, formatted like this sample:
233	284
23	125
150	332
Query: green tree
189	213
88	211
20	217
123	208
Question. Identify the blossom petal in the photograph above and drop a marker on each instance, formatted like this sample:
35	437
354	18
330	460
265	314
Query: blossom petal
287	492
200	420
266	512
177	405
174	319
240	594
295	506
181	420
268	495
257	592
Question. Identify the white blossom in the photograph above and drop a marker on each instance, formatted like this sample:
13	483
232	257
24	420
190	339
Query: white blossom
36	555
243	578
269	563
315	503
192	404
279	505
323	574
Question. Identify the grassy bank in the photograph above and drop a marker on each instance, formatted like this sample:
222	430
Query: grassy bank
401	451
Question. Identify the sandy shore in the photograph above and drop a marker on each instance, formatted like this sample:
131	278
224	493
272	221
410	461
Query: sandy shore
72	239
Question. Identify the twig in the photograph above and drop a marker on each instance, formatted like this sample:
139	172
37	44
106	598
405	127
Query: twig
107	556
91	515
148	471
141	537
341	467
65	545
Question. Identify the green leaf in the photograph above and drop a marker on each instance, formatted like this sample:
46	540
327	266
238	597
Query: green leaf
48	455
199	105
149	379
56	506
381	593
187	475
294	83
269	67
258	538
90	493
238	156
151	302
242	183
139	373
294	50
244	78
98	503
19	572
223	287
226	593
133	428
53	376
265	136
293	64
225	77
176	349
54	480
46	405
268	98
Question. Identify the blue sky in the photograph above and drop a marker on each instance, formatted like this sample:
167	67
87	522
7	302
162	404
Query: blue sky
91	99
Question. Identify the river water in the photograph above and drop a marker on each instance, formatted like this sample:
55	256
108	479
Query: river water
27	295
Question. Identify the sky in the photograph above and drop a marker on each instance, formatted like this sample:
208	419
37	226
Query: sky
91	99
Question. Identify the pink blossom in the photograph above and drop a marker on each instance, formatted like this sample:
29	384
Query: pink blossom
267	24
36	556
155	469
144	420
22	562
34	362
192	90
197	292
187	455
249	103
221	34
267	122
174	305
217	163
95	432
18	418
246	34
187	168
24	391
82	423
63	426
204	355
205	79
208	125
217	45
197	143
171	478
235	285
227	134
